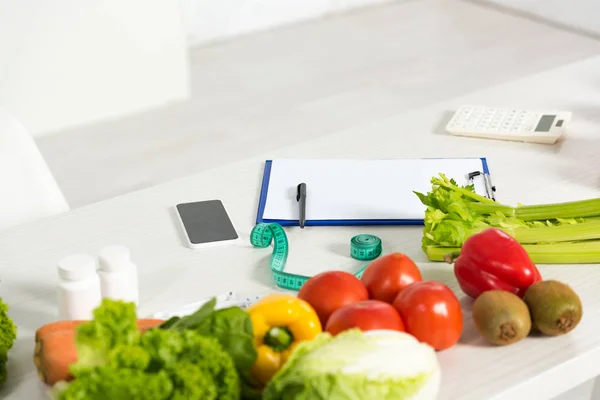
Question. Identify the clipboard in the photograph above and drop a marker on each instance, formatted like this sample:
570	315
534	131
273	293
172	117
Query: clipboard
356	192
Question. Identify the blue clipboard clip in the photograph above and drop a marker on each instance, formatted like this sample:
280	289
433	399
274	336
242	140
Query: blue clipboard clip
487	179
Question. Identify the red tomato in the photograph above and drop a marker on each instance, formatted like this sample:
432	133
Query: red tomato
366	315
386	276
431	313
328	291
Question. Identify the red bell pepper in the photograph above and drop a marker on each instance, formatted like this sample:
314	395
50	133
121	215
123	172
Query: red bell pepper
493	260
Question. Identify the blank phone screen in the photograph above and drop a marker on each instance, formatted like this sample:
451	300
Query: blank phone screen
206	222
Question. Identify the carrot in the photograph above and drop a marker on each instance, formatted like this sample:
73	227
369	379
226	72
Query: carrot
55	348
56	327
53	355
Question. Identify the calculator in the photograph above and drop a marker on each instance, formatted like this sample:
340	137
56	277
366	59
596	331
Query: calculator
522	125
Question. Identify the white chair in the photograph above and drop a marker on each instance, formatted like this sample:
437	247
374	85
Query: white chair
28	190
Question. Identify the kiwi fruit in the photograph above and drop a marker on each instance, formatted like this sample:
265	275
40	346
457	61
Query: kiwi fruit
554	306
501	317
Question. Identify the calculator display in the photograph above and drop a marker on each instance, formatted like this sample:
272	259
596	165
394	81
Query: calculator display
545	123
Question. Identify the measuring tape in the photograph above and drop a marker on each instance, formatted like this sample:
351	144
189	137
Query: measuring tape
362	247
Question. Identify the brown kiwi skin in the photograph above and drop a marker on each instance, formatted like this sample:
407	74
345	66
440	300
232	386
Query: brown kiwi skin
501	317
554	306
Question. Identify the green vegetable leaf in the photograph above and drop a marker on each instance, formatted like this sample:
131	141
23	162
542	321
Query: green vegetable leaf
119	362
8	335
233	329
114	324
170	348
3	370
230	326
454	213
169	323
8	329
353	366
193	320
249	392
129	356
191	382
424	198
102	383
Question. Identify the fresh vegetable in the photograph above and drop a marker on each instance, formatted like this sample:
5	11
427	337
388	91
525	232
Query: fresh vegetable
562	233
55	348
382	365
366	315
493	260
231	326
386	276
117	361
8	335
280	323
70	325
193	320
53	354
501	317
555	307
431	312
328	291
105	383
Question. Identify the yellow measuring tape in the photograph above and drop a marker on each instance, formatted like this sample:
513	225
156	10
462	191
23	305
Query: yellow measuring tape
362	247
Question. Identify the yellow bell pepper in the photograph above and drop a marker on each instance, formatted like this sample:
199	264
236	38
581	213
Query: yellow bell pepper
279	323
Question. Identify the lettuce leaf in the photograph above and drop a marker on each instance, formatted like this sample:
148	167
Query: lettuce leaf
354	365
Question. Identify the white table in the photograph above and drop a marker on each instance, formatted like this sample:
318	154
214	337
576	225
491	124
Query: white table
172	275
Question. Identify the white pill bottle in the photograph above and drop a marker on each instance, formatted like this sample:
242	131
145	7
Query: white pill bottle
78	288
118	275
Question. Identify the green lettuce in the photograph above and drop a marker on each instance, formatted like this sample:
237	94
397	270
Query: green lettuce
8	336
382	365
117	362
114	325
233	329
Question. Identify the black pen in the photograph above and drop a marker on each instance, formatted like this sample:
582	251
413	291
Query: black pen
301	199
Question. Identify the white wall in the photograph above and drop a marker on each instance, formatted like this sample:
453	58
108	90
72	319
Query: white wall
213	20
65	63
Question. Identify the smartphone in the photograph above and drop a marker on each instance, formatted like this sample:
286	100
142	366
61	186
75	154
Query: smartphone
206	223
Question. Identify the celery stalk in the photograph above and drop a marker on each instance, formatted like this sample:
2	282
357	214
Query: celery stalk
561	233
454	213
587	252
437	253
573	209
541	212
565	253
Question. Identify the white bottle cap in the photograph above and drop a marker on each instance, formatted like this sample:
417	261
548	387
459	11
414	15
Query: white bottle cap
76	267
114	258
